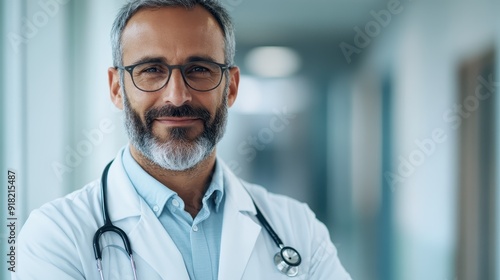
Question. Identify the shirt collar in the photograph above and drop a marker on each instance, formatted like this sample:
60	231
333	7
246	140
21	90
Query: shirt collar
156	194
151	190
216	188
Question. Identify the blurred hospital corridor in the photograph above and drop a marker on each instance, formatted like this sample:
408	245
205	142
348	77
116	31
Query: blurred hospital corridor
382	115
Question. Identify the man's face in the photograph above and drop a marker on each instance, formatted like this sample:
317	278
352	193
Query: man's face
175	127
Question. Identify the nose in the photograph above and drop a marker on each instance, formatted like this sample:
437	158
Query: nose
176	91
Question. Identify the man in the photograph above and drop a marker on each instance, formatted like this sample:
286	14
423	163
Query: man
183	211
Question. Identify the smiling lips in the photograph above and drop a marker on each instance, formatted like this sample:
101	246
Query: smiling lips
178	121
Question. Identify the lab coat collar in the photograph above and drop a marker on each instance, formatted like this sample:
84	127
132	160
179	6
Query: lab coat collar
236	191
152	243
239	230
148	237
123	200
150	240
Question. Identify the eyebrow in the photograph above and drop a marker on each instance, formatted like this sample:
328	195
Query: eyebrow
163	60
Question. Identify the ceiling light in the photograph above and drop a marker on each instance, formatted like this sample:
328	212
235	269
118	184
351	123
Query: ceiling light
273	62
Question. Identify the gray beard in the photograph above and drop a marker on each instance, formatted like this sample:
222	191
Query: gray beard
177	153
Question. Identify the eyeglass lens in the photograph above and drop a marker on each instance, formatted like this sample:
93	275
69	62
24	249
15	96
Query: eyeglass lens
199	75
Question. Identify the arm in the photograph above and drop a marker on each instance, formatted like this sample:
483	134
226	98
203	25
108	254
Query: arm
45	251
325	263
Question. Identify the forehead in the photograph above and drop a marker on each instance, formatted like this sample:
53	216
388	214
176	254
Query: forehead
172	33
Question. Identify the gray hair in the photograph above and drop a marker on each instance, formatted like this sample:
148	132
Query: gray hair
133	6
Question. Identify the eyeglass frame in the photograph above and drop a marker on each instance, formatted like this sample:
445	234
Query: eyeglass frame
130	70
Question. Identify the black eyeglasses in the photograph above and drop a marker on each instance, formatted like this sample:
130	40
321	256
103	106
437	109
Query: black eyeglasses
198	75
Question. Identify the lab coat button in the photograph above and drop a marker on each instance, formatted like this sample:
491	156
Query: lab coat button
195	228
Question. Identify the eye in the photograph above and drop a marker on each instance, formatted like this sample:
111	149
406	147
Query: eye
149	68
152	69
198	69
201	69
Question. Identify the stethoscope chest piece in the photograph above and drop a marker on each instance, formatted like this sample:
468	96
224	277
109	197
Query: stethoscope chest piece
287	260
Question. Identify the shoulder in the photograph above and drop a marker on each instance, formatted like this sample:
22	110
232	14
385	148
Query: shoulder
282	209
55	236
274	207
298	227
266	201
78	204
69	213
69	218
269	200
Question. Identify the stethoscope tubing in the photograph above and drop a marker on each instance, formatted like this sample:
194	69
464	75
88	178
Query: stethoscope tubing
287	259
109	227
268	227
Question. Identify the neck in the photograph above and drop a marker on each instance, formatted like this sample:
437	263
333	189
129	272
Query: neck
190	184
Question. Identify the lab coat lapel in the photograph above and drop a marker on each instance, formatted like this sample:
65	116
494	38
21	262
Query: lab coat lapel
148	238
239	231
152	243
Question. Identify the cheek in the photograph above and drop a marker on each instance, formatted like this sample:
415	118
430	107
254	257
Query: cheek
139	101
207	100
214	108
218	99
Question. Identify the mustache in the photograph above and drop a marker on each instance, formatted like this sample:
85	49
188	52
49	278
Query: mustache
173	111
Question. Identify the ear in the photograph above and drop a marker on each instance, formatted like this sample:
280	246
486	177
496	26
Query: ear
234	76
115	90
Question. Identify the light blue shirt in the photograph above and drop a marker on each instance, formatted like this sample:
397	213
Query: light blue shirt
197	239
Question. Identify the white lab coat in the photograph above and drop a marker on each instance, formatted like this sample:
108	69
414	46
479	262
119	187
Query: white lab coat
56	241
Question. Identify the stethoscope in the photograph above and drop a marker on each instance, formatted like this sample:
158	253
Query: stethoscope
287	259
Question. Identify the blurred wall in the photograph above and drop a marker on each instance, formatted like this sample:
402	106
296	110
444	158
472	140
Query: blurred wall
58	126
423	54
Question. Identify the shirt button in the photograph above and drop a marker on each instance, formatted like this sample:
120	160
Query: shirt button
175	203
156	208
195	228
